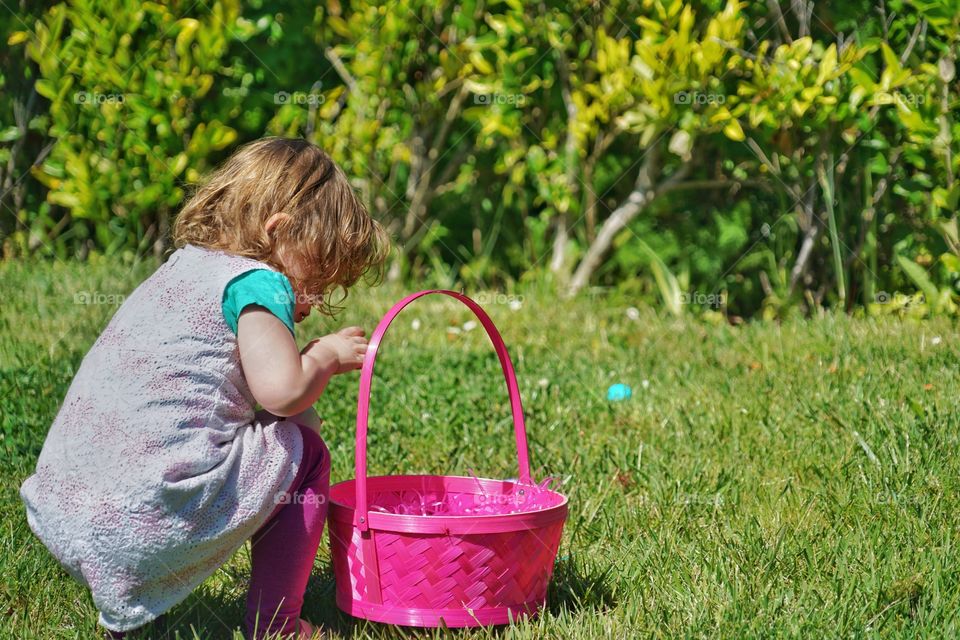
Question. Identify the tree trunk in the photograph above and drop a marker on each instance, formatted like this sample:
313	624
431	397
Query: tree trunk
559	256
646	189
558	261
643	192
589	202
636	201
808	222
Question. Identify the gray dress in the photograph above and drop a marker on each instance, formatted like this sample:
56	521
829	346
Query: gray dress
156	470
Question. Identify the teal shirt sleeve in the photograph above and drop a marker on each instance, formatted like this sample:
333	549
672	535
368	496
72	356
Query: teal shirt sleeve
268	289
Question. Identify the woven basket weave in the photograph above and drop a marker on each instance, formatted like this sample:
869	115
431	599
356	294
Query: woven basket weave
427	551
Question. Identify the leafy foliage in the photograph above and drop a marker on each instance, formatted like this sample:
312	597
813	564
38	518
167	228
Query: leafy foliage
767	157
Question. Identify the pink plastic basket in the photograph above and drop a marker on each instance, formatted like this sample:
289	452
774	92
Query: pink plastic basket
427	551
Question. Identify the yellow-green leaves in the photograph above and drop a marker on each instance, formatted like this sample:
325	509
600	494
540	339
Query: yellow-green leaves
479	63
119	88
862	86
188	29
17	37
799	49
730	125
828	65
733	130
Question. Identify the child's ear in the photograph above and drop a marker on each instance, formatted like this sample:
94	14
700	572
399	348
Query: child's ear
273	221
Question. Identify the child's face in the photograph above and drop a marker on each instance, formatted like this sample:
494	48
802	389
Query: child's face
295	273
293	268
301	308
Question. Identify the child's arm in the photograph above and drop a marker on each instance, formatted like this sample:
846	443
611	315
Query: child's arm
286	381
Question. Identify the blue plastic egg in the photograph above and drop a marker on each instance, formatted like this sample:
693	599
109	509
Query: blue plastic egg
618	392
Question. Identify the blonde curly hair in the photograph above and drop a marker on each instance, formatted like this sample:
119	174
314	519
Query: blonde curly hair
326	229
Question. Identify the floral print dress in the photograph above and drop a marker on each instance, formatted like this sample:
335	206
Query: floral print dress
156	468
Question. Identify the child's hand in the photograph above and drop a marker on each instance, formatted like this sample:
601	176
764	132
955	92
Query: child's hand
347	347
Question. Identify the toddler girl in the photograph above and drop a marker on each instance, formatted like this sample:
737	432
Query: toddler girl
157	467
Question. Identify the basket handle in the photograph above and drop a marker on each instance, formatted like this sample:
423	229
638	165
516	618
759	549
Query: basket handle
366	376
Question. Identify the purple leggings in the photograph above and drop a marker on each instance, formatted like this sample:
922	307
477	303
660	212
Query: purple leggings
284	549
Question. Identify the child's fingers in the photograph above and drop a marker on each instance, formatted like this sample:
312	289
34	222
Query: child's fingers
357	361
351	331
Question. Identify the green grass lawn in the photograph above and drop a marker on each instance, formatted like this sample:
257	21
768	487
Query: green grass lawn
764	480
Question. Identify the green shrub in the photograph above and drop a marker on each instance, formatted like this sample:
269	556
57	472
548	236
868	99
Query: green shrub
749	155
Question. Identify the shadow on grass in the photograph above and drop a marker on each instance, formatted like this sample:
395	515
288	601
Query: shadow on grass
577	586
217	615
